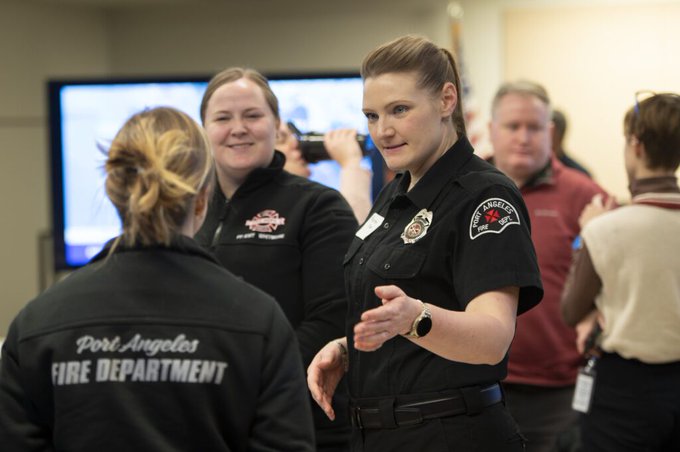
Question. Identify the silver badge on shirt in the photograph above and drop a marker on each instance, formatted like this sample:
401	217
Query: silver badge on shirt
417	228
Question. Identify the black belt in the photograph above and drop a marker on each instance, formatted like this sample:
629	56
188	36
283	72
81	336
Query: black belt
384	413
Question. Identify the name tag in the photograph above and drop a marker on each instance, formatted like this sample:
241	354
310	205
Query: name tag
583	393
371	225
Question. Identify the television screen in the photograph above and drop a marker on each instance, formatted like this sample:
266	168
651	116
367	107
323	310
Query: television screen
85	116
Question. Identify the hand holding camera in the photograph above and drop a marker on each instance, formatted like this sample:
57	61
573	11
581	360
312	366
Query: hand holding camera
313	145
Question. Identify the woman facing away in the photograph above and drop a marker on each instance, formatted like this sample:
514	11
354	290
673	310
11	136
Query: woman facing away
435	276
153	346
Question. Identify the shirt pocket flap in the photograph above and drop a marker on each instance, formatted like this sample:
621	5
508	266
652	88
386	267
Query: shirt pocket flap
399	263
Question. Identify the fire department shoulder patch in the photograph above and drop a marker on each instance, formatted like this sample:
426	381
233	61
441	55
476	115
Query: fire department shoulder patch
492	216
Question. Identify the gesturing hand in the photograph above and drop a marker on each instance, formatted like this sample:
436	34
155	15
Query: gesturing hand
325	372
595	208
394	317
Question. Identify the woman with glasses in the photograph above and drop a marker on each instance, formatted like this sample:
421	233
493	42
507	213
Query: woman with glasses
626	276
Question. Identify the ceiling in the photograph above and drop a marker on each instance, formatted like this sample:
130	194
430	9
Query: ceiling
128	4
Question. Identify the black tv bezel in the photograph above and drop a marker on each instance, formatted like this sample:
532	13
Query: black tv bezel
54	87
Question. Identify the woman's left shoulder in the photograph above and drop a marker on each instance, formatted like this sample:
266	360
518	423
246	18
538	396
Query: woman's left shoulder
317	200
295	182
487	179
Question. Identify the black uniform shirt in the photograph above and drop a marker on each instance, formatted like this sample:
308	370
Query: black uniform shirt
476	240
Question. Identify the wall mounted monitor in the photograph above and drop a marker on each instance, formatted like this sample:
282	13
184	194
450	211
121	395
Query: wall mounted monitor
86	114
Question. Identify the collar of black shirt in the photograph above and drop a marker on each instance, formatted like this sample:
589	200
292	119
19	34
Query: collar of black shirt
180	243
256	178
448	166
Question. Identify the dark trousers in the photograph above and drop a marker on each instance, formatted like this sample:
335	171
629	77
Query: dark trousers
492	430
542	413
635	407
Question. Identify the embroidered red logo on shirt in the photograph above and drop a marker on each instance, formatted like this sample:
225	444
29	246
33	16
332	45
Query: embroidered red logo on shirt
266	221
492	216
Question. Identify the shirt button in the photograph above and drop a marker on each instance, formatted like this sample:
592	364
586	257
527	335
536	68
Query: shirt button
387	266
361	260
386	225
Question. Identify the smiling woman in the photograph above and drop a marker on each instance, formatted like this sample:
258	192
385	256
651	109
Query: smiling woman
242	126
280	232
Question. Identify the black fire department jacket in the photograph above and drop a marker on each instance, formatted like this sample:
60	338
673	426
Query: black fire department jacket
153	349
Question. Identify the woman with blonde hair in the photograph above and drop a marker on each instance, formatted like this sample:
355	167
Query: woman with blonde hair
282	233
435	276
153	346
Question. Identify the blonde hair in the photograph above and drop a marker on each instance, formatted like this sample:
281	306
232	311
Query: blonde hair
434	65
236	73
156	165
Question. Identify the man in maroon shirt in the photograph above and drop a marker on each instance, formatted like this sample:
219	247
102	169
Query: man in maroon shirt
543	357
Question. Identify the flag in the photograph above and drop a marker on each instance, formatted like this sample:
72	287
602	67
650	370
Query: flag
476	128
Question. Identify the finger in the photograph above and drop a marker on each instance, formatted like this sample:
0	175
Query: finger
315	391
324	404
328	409
597	200
372	342
382	332
374	315
324	400
348	134
320	396
367	346
366	328
381	313
313	376
580	346
328	362
388	292
611	202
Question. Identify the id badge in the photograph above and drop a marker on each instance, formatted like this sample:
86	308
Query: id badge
371	225
585	384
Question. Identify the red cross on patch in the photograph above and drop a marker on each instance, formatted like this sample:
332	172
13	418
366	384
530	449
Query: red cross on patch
491	216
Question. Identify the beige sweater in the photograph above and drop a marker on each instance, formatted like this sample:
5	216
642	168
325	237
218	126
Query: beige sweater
636	252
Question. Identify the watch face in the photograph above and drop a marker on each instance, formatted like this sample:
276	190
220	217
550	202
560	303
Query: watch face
424	326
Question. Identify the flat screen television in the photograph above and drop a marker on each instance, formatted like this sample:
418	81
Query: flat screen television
85	115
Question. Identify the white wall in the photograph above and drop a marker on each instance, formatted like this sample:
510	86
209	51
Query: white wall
592	56
36	42
317	36
592	60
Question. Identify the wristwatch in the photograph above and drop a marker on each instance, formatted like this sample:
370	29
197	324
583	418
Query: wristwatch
422	324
